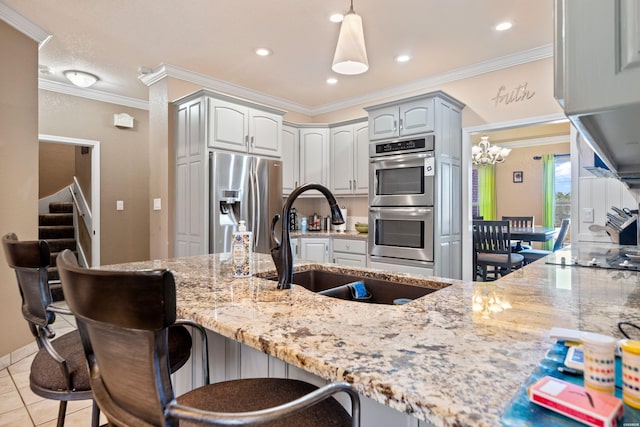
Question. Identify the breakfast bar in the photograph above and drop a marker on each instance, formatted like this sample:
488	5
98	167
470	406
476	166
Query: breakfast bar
454	357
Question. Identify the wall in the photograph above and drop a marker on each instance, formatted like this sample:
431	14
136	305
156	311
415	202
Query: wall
56	167
525	198
124	172
82	170
18	171
532	82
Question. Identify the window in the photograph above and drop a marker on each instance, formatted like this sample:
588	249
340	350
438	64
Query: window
562	188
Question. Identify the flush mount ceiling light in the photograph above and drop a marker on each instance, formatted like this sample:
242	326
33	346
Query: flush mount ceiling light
336	17
332	80
403	58
351	54
80	78
486	154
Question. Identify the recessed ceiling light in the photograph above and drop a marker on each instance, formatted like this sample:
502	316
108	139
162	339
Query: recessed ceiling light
332	80
263	51
403	58
336	17
503	26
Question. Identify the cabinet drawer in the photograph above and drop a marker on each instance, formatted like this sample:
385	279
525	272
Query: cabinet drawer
352	246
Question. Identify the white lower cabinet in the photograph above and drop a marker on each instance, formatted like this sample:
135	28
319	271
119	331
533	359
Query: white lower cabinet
350	252
316	249
400	268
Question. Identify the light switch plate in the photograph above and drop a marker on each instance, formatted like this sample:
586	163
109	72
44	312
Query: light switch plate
157	204
587	214
119	205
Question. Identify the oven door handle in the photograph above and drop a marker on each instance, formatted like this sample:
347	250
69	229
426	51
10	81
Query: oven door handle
401	157
402	210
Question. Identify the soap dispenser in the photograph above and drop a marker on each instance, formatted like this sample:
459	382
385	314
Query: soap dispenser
241	251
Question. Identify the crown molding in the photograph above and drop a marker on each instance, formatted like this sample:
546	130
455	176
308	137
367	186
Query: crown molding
168	70
24	25
557	139
96	95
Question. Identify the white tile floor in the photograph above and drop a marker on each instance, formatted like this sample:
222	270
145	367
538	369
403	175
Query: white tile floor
20	407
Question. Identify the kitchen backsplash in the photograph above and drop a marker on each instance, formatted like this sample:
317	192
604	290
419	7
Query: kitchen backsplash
357	208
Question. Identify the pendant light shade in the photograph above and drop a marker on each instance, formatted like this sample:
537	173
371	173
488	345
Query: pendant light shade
351	53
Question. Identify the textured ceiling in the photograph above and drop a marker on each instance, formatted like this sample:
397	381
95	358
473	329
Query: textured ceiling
217	38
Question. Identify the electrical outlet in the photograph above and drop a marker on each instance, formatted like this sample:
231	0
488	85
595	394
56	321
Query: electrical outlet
119	205
587	214
157	204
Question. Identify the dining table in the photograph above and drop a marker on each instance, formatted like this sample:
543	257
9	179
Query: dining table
532	234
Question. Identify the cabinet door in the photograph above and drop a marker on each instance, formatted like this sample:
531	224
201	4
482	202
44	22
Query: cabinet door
265	133
314	249
383	123
290	159
342	160
228	125
361	159
417	117
314	156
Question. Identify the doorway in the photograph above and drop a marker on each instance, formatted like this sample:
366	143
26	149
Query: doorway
468	135
94	208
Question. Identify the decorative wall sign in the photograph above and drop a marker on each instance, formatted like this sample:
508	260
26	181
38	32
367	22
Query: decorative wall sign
518	177
517	94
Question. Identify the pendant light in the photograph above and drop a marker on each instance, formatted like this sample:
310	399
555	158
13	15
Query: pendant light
351	53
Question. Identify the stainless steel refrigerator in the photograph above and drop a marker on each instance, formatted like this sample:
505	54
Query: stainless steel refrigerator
243	187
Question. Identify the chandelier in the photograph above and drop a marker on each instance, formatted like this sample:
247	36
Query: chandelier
486	154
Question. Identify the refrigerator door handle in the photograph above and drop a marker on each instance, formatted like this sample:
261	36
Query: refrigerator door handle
256	205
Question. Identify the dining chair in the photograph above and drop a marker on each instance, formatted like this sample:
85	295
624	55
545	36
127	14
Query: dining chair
531	255
58	370
492	248
123	318
520	222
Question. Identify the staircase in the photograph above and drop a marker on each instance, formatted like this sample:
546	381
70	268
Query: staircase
56	227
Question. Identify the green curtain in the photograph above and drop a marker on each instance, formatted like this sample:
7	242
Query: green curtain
487	191
548	195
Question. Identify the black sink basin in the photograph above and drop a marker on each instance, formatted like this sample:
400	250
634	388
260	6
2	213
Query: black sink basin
337	285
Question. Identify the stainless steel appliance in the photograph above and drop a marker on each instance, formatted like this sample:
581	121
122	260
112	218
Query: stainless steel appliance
402	173
401	198
243	187
401	233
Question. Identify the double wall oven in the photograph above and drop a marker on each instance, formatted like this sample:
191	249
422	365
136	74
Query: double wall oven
401	197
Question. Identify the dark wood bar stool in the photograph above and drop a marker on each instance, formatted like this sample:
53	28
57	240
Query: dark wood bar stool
123	318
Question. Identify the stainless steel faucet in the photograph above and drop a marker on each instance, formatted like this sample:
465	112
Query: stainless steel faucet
281	252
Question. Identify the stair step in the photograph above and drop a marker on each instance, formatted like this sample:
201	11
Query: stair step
53	256
61	207
47	232
55	219
58	245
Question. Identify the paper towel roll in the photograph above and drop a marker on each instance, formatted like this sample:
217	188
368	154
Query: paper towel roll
342	227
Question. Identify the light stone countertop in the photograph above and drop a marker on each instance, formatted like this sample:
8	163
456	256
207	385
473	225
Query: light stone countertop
434	358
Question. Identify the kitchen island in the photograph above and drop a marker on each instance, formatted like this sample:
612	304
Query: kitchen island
454	357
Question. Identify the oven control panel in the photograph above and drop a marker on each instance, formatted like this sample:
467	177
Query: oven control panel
400	147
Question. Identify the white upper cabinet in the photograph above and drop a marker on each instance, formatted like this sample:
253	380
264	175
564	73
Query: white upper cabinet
395	120
237	127
314	156
350	159
597	77
290	159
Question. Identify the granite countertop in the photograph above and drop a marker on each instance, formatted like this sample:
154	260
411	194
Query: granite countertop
335	234
451	357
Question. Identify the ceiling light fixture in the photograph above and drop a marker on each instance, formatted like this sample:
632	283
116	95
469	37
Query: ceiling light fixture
403	58
503	26
332	80
336	17
263	51
486	154
80	78
351	54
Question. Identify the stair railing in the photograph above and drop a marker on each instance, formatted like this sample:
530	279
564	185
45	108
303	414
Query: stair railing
81	210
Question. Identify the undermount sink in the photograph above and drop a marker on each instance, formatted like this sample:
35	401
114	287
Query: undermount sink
336	285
